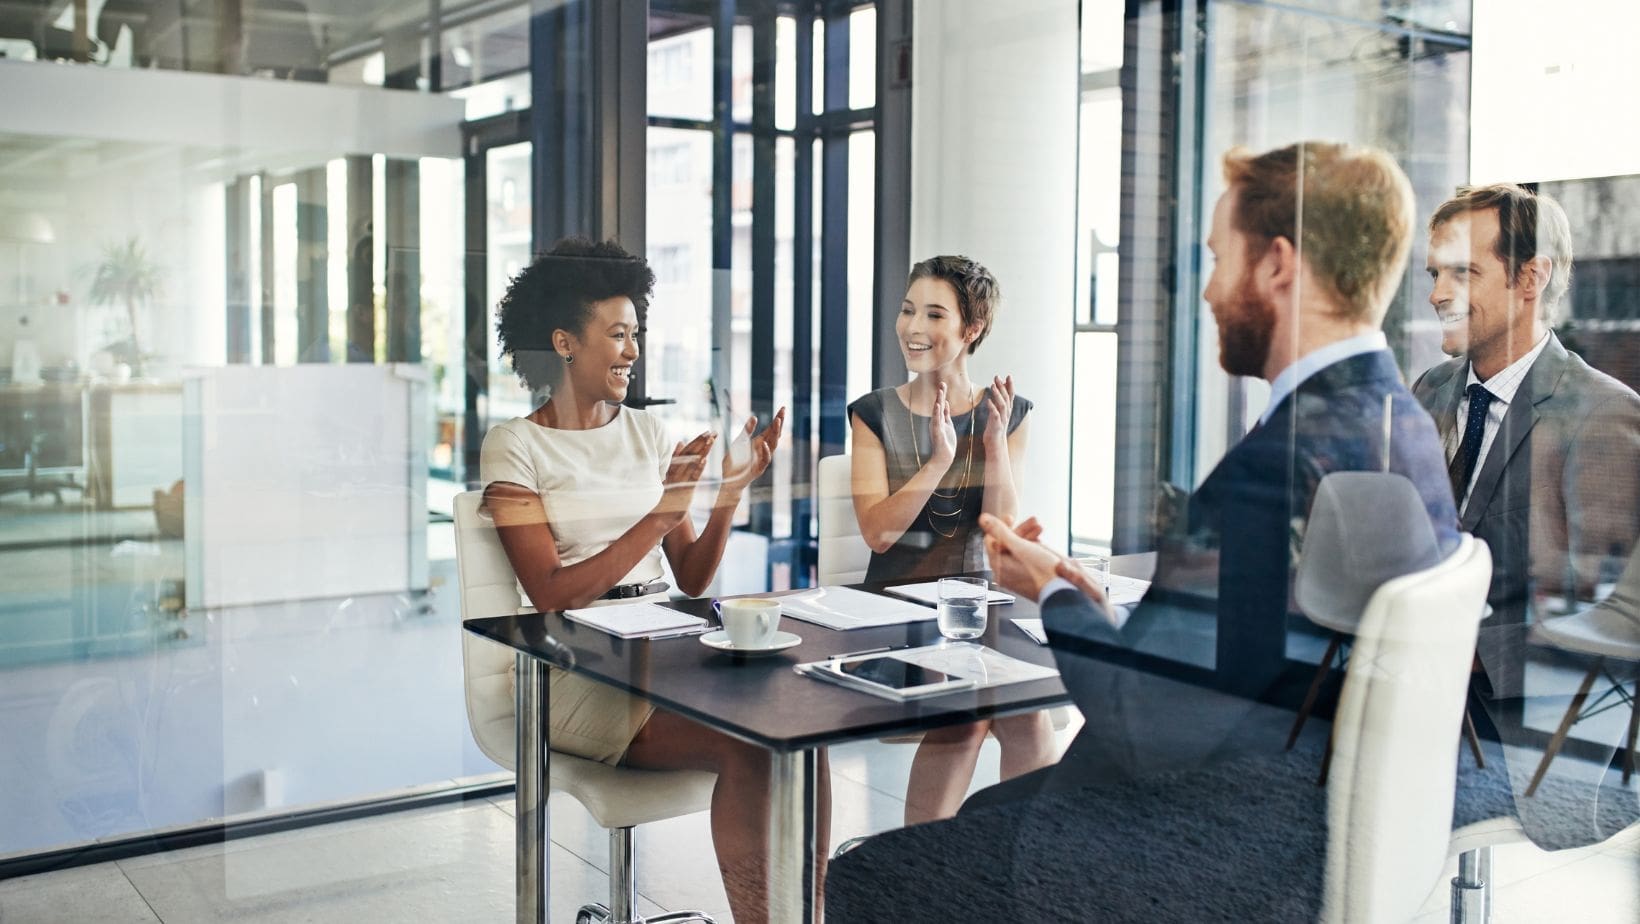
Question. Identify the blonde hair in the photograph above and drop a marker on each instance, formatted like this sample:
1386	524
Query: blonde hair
1351	218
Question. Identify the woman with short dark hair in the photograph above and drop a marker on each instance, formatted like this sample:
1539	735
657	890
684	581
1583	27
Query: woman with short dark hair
930	456
587	494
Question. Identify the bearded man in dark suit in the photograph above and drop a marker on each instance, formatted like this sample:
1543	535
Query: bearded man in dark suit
1310	244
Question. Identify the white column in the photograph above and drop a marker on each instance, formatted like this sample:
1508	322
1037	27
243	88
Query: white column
993	176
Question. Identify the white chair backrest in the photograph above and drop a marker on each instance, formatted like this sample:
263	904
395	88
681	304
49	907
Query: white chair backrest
844	554
488	588
1389	801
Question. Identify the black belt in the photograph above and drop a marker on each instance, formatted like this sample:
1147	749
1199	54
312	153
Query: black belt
624	591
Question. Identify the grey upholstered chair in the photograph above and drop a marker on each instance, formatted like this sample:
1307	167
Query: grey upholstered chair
1364	528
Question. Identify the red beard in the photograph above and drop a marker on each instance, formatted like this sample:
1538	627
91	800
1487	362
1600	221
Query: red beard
1246	328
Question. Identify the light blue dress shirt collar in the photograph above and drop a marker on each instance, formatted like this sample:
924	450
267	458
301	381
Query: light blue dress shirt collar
1316	360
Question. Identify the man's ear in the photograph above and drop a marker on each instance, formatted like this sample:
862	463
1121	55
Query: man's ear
1533	279
1276	273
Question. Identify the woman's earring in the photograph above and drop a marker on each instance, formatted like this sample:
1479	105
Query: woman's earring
569	359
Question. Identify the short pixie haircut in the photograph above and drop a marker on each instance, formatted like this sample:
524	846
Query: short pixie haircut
556	292
1348	209
977	290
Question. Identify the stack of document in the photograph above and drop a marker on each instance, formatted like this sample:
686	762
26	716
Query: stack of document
636	620
847	608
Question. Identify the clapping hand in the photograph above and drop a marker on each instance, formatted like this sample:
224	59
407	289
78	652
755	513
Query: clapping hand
999	400
942	433
683	474
748	456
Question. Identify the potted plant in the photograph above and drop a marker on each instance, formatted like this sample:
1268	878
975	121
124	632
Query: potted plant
126	274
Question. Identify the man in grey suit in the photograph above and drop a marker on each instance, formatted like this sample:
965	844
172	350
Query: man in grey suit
1543	451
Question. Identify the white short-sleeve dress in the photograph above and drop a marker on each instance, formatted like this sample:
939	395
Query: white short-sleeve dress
595	485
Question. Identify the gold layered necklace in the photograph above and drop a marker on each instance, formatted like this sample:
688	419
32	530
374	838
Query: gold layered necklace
935	515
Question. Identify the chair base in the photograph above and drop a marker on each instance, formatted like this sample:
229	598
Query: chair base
623	892
850	844
600	914
1472	888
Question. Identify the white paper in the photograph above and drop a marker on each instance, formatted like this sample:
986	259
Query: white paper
1033	628
633	620
929	593
1125	591
987	667
847	608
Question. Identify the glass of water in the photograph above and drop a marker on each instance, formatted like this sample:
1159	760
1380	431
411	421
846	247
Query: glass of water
962	607
1098	568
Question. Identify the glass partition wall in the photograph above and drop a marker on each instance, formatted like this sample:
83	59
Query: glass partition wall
251	256
176	274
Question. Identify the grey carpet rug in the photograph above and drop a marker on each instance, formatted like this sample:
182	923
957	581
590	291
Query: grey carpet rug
1241	841
1244	840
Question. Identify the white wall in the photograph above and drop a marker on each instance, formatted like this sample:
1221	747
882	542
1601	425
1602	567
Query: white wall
1551	90
994	107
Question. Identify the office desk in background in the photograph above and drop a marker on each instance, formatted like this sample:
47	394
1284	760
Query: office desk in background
762	701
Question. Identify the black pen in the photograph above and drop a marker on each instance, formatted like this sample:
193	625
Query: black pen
856	654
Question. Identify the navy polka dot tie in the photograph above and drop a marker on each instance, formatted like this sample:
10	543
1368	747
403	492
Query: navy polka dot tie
1463	462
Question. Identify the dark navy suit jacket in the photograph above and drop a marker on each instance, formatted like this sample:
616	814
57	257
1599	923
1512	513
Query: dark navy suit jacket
1221	591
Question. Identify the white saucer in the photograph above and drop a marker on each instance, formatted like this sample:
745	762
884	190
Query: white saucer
720	641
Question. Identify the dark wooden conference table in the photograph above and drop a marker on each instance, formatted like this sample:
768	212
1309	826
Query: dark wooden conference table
759	700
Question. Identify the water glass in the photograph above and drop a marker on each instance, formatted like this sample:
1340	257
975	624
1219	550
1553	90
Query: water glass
963	608
1098	568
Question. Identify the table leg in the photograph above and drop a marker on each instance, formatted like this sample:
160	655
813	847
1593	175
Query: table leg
531	790
793	796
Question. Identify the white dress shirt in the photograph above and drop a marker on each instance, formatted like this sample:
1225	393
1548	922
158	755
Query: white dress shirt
1288	380
1502	387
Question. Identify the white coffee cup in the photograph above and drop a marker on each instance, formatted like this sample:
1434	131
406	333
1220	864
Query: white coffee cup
751	623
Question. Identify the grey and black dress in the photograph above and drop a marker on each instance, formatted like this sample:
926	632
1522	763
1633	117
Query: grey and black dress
945	537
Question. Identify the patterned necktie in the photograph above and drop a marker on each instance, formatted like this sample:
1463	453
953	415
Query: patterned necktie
1463	461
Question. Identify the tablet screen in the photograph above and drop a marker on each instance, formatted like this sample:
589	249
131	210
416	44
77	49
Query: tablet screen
893	673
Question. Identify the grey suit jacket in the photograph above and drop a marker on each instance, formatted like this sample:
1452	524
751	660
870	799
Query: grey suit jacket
1558	493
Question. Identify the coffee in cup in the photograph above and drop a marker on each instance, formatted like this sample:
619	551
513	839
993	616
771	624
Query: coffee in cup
751	622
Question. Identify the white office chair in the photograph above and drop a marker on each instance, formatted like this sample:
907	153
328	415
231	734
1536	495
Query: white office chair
617	798
1606	630
1389	805
844	554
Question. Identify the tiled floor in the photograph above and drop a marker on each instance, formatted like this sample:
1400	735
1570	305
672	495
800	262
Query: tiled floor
450	863
454	863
